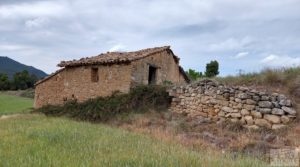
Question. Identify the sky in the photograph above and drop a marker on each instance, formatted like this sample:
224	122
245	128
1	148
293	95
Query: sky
242	35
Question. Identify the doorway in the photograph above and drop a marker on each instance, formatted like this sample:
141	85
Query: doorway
152	75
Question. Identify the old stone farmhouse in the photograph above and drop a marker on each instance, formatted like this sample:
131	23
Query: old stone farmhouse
106	73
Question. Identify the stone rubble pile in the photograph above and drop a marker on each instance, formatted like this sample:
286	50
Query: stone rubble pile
252	108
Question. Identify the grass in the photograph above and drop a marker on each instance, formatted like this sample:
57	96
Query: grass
13	104
286	78
37	140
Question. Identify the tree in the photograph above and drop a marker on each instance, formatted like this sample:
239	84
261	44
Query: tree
212	69
193	74
23	80
4	82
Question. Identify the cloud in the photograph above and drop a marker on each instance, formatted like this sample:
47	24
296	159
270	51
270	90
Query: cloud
36	31
279	61
119	47
240	55
231	44
36	22
35	9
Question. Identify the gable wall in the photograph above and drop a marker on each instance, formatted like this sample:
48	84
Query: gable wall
76	83
167	69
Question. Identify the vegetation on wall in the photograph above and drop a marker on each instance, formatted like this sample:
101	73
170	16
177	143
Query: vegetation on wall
21	81
139	99
286	78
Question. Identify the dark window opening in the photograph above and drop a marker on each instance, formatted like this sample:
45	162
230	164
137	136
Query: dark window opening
95	76
152	75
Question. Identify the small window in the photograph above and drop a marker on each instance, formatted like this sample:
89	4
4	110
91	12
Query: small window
94	75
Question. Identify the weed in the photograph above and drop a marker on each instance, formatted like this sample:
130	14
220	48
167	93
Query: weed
139	99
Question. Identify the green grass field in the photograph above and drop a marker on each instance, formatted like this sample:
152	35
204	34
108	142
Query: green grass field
13	104
37	140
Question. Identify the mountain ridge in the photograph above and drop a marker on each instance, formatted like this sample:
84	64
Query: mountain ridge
10	67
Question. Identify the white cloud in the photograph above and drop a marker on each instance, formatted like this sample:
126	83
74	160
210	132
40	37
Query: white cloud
36	23
12	47
280	61
231	44
36	9
198	31
118	47
240	55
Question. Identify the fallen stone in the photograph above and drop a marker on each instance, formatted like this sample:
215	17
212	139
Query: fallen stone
272	118
289	110
277	111
263	123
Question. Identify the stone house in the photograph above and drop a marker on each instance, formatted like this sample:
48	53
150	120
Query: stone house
106	73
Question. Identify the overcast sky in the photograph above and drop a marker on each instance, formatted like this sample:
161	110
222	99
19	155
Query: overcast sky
240	34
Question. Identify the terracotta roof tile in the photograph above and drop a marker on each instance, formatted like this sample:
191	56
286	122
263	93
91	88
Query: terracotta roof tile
115	57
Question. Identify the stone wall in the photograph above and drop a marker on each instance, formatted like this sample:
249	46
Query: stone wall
252	108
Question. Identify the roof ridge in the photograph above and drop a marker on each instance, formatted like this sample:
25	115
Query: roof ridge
113	57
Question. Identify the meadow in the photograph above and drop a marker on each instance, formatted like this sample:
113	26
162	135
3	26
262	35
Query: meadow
37	140
10	104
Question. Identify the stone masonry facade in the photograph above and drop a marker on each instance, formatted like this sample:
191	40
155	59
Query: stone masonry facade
107	73
217	102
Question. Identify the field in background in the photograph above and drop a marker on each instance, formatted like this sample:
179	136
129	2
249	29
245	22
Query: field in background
36	140
10	104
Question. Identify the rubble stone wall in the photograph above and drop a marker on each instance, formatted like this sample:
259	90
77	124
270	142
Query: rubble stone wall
252	108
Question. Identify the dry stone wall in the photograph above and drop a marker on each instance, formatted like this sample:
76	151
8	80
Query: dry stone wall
252	108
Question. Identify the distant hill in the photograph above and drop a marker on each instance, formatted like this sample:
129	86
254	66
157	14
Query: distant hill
10	67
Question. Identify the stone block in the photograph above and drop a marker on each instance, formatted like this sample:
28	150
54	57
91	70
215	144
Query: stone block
256	114
277	111
289	110
272	118
265	104
263	123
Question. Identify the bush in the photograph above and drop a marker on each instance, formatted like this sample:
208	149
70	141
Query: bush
139	99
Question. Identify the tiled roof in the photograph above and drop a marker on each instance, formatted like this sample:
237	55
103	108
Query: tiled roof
115	57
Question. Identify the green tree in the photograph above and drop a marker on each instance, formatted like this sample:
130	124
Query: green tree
212	69
23	80
193	74
4	82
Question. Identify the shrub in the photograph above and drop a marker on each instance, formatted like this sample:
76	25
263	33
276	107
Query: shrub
139	99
